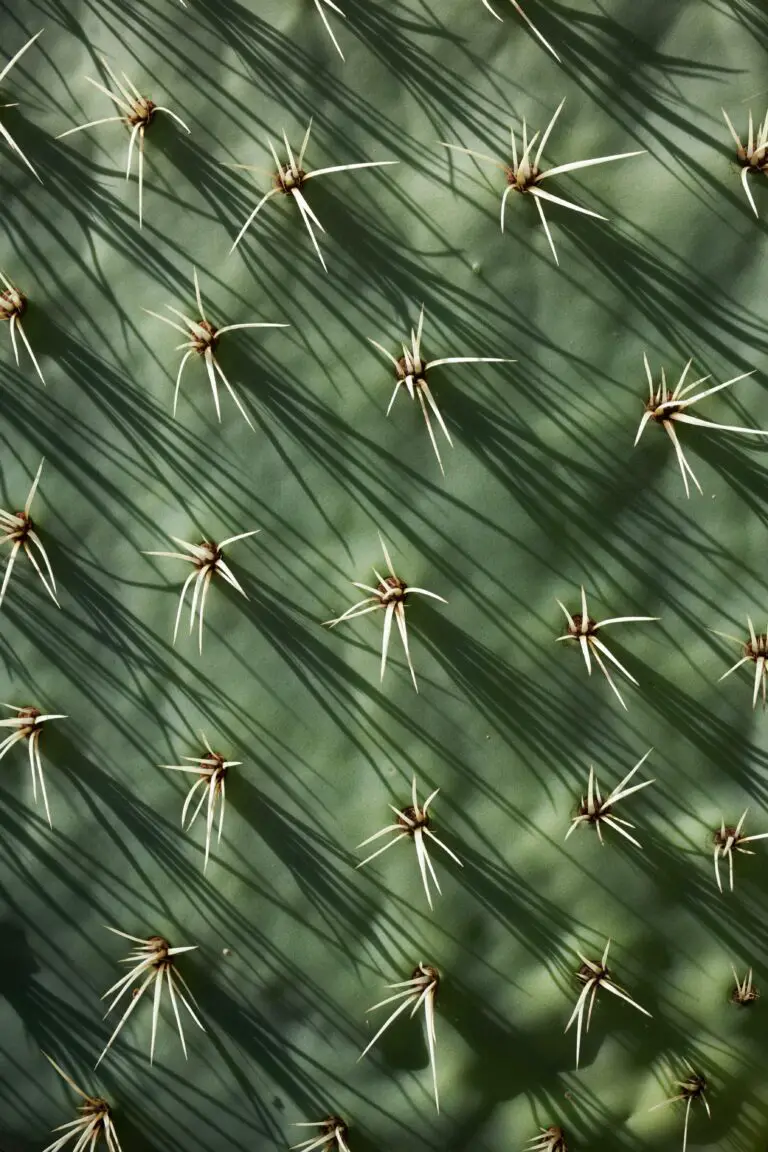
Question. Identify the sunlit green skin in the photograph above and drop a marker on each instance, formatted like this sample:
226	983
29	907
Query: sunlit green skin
543	492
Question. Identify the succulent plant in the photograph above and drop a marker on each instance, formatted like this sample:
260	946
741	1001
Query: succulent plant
546	960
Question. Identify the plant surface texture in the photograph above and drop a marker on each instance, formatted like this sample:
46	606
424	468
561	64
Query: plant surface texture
427	508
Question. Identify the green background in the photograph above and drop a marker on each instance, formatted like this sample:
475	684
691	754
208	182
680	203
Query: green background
543	492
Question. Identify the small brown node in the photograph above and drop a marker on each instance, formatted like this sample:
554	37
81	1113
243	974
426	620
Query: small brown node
336	1124
522	178
96	1106
756	160
204	336
597	972
410	819
662	412
557	1137
142	112
694	1087
160	946
392	589
592	815
405	368
726	837
744	992
426	970
287	178
759	649
218	768
216	771
745	996
213	554
12	303
551	1139
19	533
579	628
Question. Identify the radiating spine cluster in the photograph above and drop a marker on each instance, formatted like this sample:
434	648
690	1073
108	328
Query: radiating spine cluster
154	961
137	112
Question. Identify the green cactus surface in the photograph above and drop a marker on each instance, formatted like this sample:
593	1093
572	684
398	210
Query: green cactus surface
470	515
